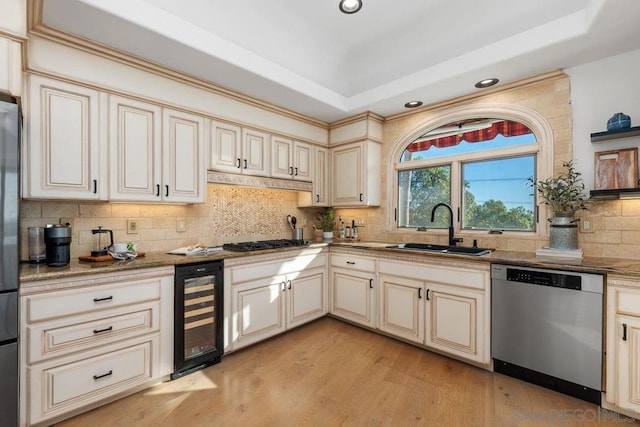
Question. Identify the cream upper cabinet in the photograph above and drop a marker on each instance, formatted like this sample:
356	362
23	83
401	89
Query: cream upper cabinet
184	172
238	150
320	196
62	150
355	169
155	154
10	66
623	345
135	150
290	159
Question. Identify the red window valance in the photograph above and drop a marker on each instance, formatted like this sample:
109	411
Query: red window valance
503	127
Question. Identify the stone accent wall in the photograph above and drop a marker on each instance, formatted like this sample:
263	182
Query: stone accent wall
550	97
231	214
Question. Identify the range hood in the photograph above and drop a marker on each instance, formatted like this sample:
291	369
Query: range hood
258	181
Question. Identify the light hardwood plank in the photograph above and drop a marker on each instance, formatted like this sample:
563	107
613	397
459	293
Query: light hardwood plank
329	373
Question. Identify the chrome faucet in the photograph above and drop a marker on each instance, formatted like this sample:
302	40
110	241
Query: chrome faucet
452	240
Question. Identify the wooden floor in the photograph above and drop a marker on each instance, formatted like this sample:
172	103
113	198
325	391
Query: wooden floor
330	373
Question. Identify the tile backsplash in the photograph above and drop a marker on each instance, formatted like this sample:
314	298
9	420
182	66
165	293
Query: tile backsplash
231	214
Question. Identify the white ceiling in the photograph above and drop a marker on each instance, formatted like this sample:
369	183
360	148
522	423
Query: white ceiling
307	56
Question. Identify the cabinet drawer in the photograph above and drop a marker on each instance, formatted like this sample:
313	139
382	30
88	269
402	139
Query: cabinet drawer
77	301
53	339
627	301
353	262
61	388
246	273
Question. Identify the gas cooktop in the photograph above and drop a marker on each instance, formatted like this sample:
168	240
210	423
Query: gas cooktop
263	244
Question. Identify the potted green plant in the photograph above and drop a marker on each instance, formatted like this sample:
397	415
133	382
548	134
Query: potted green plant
566	195
327	222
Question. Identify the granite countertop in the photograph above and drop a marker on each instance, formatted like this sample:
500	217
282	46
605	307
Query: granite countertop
36	272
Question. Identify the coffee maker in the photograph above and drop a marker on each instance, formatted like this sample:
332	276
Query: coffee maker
57	238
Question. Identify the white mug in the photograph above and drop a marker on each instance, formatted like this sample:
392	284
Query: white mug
119	247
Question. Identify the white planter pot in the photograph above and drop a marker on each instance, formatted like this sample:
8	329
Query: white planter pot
327	236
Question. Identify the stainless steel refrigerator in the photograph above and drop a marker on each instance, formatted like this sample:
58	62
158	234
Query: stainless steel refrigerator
9	258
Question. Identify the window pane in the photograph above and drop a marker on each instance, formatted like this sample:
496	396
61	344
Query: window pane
496	194
468	136
418	191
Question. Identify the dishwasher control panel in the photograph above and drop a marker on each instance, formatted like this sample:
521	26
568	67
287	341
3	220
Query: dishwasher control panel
545	278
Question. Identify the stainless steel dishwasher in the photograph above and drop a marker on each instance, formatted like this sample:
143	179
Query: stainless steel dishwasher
546	328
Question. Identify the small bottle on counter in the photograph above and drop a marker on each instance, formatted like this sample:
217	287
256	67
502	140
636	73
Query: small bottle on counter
347	232
341	230
354	232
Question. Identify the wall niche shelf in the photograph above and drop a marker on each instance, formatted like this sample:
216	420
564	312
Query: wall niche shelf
619	193
615	134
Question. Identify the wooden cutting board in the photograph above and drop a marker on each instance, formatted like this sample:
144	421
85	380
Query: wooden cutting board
102	258
616	169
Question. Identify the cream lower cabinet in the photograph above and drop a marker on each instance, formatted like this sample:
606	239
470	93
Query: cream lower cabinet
441	306
269	297
623	345
352	290
10	66
89	340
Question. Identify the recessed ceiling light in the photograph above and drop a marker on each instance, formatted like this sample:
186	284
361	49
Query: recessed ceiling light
413	104
486	83
350	6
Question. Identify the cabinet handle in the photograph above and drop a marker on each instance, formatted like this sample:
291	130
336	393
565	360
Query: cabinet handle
238	162
370	283
289	286
106	374
166	192
95	186
290	170
427	295
157	190
99	331
296	174
109	298
419	293
361	196
317	198
624	332
245	163
284	286
351	263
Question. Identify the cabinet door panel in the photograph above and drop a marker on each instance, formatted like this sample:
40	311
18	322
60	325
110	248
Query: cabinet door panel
352	296
306	299
455	322
302	161
63	146
347	175
255	152
259	310
628	361
402	307
281	159
135	148
183	157
225	148
321	181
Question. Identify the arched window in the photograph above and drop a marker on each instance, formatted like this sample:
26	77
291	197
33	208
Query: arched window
479	165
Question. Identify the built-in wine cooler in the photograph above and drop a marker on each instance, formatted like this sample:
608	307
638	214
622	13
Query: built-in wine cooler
198	334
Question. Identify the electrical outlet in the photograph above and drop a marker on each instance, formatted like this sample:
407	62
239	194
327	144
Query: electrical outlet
181	225
132	226
586	225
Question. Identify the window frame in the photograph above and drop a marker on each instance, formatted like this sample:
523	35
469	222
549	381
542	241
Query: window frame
542	149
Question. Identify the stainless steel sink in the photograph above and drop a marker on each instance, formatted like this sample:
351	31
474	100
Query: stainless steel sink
428	247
